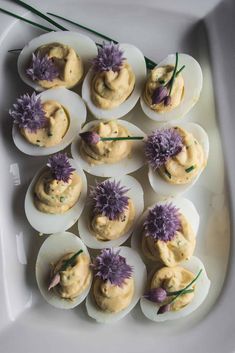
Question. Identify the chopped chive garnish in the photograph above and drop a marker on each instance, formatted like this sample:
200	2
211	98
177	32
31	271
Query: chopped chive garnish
162	82
172	80
181	69
70	261
62	198
188	170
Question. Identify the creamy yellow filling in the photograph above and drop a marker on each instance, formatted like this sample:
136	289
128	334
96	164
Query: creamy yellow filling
109	89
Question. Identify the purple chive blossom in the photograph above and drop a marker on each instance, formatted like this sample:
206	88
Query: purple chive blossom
60	167
162	222
109	58
42	68
159	94
161	145
163	309
90	137
112	267
108	198
28	113
156	295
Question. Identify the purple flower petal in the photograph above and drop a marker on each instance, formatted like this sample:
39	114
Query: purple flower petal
161	145
109	58
90	137
108	198
162	222
60	167
28	113
159	94
112	267
42	68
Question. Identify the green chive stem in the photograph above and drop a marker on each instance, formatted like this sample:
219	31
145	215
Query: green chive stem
149	63
174	73
121	138
169	294
183	291
40	14
27	21
188	170
70	261
179	71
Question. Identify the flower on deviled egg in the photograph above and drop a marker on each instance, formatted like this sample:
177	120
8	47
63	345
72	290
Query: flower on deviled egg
56	195
113	207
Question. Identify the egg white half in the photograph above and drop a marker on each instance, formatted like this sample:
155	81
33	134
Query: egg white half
193	80
135	193
186	208
160	185
54	223
140	278
84	46
54	247
136	59
202	286
76	110
127	165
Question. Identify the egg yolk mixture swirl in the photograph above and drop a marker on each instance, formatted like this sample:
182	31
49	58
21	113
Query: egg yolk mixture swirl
112	298
109	89
174	251
67	62
55	128
54	196
186	165
160	76
75	279
105	229
174	279
107	152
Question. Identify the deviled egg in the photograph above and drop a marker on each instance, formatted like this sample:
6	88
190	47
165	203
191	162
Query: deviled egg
166	232
113	85
48	122
176	155
56	59
173	87
175	292
63	271
111	212
109	148
56	196
119	281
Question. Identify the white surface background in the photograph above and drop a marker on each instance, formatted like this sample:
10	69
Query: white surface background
27	322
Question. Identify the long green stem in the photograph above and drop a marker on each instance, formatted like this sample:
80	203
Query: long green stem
40	14
121	138
170	294
149	63
174	73
27	21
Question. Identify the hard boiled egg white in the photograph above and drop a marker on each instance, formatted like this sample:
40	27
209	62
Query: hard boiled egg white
52	250
186	208
202	286
76	110
140	277
128	165
54	223
136	59
84	46
193	79
160	185
135	193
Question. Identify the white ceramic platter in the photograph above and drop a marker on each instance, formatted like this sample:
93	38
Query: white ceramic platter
202	29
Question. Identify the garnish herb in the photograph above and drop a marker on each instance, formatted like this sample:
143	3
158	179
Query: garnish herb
188	170
166	307
168	174
92	138
70	261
